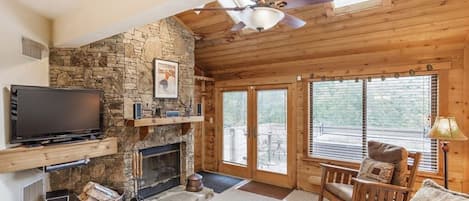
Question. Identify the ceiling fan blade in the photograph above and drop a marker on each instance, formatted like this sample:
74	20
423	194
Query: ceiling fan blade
238	27
293	21
217	9
301	3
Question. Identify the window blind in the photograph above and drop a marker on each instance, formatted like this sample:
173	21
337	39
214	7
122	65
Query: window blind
345	115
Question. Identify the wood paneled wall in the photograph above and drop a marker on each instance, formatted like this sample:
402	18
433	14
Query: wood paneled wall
407	35
198	133
453	101
204	148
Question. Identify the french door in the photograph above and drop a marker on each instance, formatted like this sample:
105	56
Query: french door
254	128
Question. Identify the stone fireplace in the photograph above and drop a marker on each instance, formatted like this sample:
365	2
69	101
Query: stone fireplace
122	66
160	169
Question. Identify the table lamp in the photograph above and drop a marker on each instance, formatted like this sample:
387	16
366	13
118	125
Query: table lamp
446	129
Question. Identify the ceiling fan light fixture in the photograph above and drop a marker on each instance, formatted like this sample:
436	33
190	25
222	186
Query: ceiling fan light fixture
262	18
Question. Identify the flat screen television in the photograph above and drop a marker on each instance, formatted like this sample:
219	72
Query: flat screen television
42	115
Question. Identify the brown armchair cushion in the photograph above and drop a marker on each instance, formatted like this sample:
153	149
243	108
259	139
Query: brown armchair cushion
343	191
391	154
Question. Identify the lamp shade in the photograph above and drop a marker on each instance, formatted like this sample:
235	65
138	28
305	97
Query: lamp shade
261	18
446	129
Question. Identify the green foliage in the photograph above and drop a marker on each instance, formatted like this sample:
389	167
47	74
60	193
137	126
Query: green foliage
234	108
393	103
271	107
337	103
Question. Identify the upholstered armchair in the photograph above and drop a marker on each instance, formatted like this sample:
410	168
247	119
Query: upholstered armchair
346	184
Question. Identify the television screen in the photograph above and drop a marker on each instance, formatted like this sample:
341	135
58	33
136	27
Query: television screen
40	113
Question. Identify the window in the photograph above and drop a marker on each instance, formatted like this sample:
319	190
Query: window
345	115
351	6
343	3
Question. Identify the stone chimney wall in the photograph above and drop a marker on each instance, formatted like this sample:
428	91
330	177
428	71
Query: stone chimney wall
122	66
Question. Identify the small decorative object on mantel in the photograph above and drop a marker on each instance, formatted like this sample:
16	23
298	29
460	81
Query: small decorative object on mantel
194	183
157	112
172	113
199	109
187	109
137	110
166	79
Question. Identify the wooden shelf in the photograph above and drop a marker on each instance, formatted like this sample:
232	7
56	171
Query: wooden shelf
163	121
145	124
24	158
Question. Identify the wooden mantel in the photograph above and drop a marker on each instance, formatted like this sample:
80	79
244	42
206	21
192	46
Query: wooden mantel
145	123
23	158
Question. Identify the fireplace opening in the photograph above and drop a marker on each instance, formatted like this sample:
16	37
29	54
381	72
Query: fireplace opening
161	169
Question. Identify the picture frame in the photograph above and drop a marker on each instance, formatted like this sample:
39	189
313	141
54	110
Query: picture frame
166	78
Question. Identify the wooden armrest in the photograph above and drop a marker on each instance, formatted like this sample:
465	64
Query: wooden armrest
388	187
336	174
370	190
329	166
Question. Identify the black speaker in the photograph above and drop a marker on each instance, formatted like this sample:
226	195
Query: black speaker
137	110
60	195
199	109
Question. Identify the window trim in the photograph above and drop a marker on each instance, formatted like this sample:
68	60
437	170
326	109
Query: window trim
442	81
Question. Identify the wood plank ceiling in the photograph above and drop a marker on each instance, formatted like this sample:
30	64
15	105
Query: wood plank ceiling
415	31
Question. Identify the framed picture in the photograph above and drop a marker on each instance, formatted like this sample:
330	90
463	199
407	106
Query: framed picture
166	79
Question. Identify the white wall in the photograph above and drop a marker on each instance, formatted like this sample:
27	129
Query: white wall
15	22
95	20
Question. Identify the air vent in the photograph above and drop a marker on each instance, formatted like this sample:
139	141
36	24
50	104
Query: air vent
34	191
33	49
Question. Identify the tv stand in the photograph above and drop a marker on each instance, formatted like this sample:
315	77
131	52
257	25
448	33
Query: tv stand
22	158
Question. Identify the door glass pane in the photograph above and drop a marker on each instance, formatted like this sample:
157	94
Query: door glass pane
235	127
272	131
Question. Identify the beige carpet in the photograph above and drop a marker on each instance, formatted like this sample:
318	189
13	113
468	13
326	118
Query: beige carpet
238	195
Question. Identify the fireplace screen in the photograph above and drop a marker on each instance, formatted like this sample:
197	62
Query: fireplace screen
161	169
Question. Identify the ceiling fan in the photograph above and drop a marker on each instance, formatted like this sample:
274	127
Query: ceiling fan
265	14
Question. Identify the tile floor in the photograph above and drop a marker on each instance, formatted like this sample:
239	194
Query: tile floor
233	194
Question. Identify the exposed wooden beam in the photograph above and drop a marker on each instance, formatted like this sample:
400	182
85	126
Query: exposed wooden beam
385	70
362	59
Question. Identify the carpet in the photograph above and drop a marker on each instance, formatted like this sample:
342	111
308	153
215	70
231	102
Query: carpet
268	190
217	182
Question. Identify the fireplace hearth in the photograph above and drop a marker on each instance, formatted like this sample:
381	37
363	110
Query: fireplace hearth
160	170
